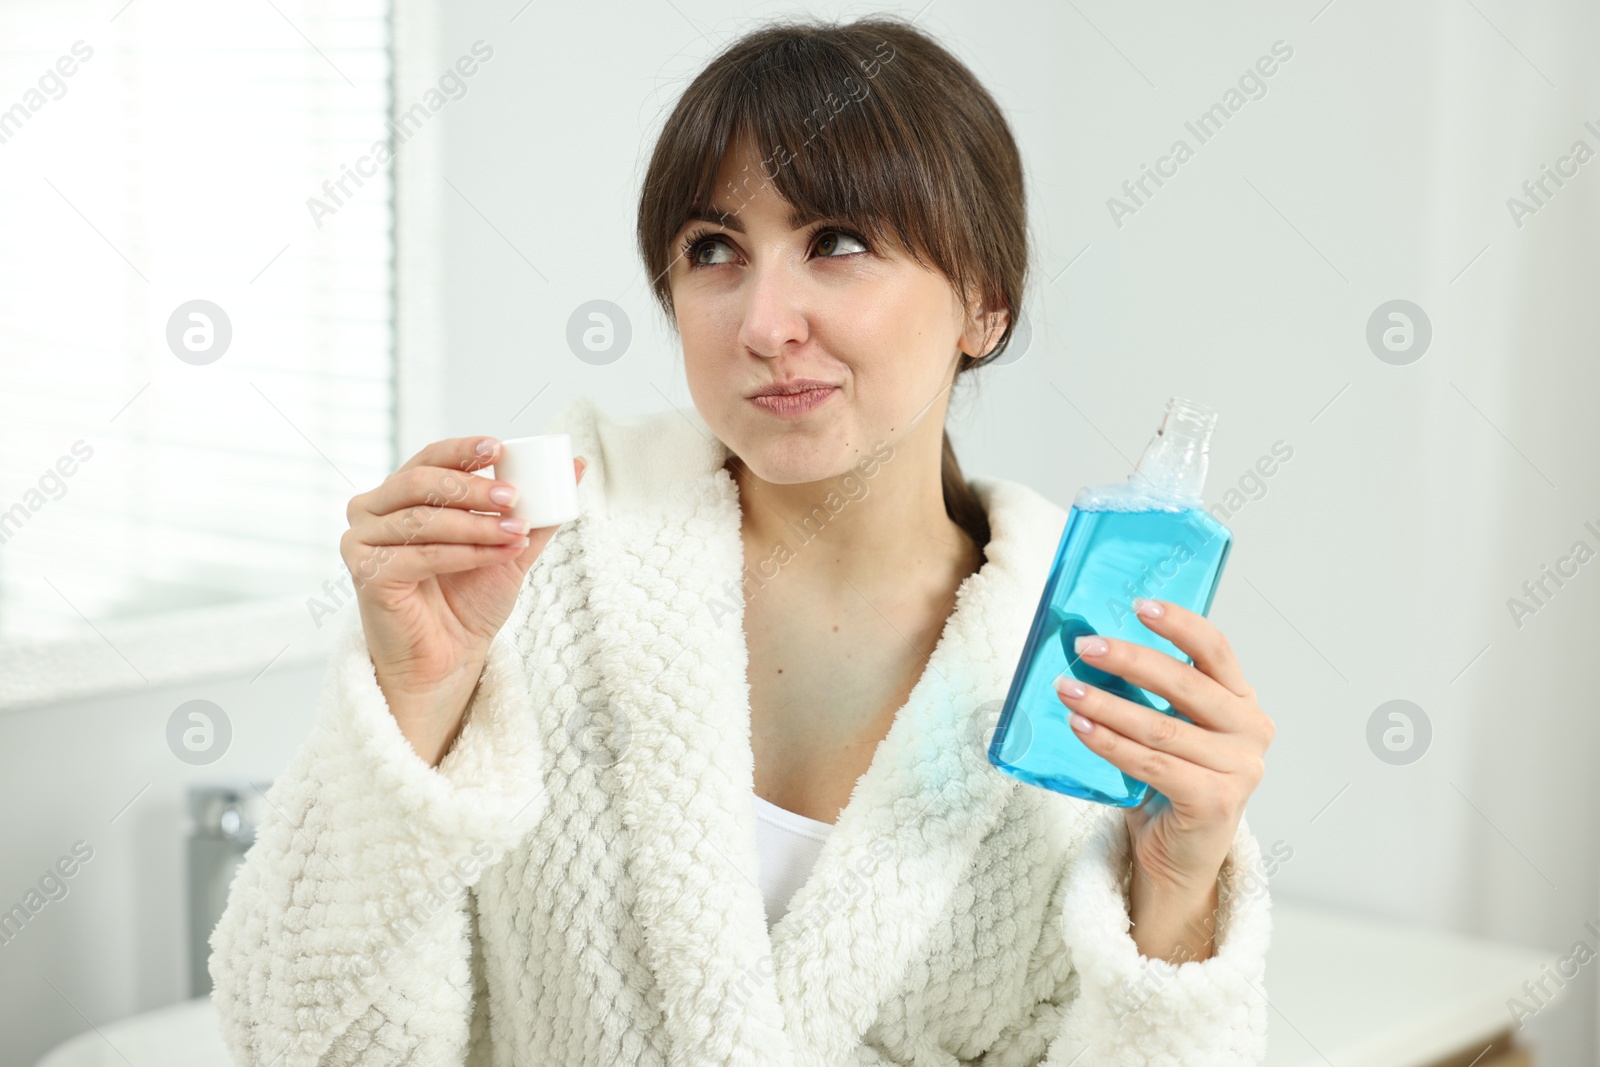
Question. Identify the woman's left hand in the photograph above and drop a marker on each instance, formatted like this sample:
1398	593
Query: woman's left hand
1206	769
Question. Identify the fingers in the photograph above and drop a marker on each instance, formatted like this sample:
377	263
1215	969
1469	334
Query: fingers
414	563
433	487
1201	641
1178	779
422	524
430	517
456	453
1218	754
1198	696
440	486
432	504
1149	728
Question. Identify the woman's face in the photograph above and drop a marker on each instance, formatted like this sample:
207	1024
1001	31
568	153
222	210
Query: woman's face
762	302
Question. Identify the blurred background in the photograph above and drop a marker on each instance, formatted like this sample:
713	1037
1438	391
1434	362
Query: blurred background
255	256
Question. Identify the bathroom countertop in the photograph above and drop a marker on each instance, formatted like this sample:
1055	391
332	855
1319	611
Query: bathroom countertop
1347	991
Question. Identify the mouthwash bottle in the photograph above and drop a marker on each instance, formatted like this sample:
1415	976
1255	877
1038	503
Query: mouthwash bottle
1149	537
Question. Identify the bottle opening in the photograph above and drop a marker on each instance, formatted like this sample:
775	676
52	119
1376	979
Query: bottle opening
1174	462
1188	418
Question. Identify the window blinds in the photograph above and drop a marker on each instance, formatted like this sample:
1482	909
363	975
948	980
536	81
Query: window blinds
153	156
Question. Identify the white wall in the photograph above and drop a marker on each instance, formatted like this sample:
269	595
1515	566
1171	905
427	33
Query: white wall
1376	566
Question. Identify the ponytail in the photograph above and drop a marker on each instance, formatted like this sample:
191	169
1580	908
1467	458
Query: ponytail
961	503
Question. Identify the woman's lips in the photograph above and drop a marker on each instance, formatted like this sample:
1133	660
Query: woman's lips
793	404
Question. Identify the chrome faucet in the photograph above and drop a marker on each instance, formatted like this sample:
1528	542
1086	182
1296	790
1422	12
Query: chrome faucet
222	827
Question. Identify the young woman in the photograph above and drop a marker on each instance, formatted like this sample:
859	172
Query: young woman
792	620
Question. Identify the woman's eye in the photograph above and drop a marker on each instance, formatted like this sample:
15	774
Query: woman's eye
829	241
830	244
697	250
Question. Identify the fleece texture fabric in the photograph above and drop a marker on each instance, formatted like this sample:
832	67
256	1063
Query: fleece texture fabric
576	882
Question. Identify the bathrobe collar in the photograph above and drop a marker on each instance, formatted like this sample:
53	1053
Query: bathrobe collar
662	552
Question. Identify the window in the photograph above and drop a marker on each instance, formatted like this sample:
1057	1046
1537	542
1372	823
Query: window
196	306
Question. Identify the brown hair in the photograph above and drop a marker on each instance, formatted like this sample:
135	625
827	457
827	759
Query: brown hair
873	123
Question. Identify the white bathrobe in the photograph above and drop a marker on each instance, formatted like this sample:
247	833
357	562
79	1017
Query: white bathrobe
576	883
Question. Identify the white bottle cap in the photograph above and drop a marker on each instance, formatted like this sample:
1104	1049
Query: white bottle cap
541	469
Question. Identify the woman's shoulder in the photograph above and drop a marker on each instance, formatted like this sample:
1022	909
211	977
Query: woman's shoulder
1015	498
1025	528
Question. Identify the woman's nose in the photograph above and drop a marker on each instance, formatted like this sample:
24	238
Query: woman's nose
775	307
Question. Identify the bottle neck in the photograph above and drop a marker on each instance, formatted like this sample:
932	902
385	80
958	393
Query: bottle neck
1174	462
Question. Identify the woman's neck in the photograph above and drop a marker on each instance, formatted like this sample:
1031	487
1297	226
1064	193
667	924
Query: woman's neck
853	534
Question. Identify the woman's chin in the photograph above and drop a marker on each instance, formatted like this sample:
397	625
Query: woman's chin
785	465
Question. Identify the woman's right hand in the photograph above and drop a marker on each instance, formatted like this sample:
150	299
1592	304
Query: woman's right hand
435	582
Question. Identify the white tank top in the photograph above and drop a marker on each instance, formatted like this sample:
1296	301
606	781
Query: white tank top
787	845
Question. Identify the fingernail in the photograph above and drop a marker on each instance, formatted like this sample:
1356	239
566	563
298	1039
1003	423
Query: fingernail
516	526
486	446
1070	687
1150	609
1080	724
1090	646
501	495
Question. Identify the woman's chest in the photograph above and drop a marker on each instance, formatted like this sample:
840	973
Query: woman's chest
823	694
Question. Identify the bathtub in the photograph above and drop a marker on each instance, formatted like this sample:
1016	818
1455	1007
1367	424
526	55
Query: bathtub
180	1035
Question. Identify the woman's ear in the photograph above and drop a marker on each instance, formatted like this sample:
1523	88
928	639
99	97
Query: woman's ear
983	331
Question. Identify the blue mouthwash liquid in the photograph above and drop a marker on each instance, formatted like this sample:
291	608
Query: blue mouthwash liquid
1149	537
